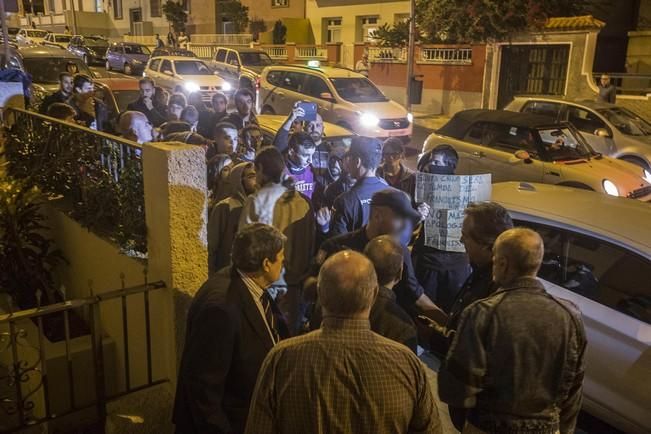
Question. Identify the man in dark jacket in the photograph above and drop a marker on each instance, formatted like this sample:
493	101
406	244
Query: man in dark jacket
146	103
387	317
517	362
62	95
91	112
232	324
393	169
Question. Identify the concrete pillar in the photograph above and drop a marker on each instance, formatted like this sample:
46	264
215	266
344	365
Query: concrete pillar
334	52
358	51
291	52
175	208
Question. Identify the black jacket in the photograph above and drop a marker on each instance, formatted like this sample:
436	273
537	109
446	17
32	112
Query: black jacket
57	96
156	115
225	344
391	321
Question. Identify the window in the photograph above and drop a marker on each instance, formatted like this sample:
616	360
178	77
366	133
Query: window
191	67
508	138
117	9
315	86
279	3
367	26
186	5
155	9
232	59
358	90
220	56
475	133
333	29
275	78
626	121
166	66
545	108
155	64
584	120
596	269
293	81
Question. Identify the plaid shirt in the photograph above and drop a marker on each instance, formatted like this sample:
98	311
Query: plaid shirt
342	379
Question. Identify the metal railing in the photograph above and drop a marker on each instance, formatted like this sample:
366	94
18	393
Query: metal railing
276	52
628	84
40	388
309	53
201	39
447	56
203	51
99	174
387	55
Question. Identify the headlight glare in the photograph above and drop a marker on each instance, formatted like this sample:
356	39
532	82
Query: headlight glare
610	187
646	175
410	118
191	87
369	120
226	86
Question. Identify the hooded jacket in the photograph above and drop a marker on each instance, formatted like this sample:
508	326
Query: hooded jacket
224	220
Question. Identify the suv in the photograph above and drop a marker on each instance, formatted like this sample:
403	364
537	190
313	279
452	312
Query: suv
344	97
241	65
92	49
60	40
609	129
127	57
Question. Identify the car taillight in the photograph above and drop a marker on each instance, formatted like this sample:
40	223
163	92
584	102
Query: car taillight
257	83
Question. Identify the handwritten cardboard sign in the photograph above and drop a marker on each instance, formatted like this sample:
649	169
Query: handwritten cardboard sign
448	196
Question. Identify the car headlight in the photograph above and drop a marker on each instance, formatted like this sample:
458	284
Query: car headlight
369	120
191	87
226	86
410	118
646	175
610	187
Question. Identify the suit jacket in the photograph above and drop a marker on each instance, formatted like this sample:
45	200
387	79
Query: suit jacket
226	342
156	116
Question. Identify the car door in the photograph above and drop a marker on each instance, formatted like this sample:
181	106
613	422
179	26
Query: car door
219	61
287	92
232	66
610	286
166	74
318	92
592	128
152	69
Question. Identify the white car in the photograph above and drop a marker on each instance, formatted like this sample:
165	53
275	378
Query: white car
609	129
527	147
598	255
30	36
343	97
193	75
60	40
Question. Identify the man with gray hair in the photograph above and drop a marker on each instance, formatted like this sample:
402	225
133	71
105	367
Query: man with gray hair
516	362
343	378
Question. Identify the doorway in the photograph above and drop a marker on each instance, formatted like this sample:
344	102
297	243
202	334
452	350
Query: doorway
135	16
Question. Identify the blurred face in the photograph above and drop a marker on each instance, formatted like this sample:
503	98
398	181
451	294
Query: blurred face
388	222
66	85
219	105
226	141
302	156
244	104
252	138
143	129
605	81
479	253
315	129
273	268
175	111
351	165
147	90
334	164
249	181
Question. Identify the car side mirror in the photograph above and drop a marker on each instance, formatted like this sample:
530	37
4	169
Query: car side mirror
522	155
168	72
326	95
96	74
601	132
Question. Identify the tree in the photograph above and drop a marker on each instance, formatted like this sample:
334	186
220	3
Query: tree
175	14
489	20
279	33
257	26
236	13
396	35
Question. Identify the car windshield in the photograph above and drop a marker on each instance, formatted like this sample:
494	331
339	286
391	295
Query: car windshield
191	67
47	69
561	144
124	97
96	43
63	38
136	49
255	59
358	90
626	121
13	30
36	33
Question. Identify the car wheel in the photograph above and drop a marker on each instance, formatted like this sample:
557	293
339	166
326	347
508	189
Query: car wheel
637	162
108	66
127	69
266	110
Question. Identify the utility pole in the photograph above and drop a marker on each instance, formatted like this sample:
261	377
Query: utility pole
74	17
5	34
410	52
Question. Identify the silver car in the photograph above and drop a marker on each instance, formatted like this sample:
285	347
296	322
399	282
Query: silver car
611	130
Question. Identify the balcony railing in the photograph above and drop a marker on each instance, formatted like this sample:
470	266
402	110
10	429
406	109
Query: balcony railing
387	55
60	359
203	51
209	39
98	174
446	56
311	53
276	52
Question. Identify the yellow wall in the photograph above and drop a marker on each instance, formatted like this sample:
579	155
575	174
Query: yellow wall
386	12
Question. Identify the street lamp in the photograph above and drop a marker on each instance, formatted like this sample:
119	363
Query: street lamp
410	53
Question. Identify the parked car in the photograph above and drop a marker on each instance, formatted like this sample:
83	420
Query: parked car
127	57
612	130
12	34
171	51
344	97
527	147
116	93
60	40
45	64
598	255
193	75
91	49
30	36
241	65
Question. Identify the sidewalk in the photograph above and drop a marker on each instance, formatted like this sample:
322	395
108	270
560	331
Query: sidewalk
430	121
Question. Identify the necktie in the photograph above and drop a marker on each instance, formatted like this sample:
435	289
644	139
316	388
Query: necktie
269	315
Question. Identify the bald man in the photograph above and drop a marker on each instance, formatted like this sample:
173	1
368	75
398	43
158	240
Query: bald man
343	378
135	126
517	361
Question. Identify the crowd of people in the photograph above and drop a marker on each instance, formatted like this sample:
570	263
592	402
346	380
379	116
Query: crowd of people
322	290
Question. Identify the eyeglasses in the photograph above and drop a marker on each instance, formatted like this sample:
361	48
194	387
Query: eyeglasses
392	155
